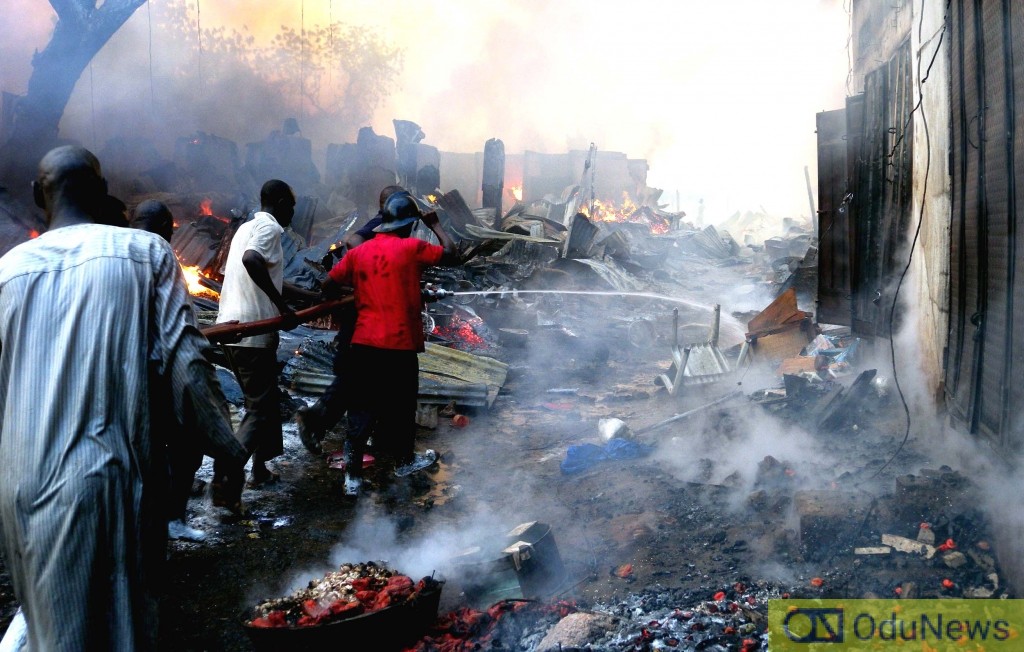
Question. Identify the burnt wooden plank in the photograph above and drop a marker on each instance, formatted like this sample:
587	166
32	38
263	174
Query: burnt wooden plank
833	227
493	184
958	260
1014	433
993	126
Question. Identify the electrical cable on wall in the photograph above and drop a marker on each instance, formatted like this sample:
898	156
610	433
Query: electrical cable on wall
848	8
920	221
199	33
149	18
330	41
302	58
92	106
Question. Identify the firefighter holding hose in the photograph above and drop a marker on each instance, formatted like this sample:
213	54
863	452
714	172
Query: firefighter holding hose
385	276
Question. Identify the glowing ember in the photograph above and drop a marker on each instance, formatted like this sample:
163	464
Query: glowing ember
195	288
33	234
460	332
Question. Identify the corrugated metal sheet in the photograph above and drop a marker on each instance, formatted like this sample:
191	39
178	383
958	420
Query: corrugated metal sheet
881	182
833	220
984	370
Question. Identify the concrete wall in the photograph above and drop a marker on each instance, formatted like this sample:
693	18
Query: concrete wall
932	188
879	28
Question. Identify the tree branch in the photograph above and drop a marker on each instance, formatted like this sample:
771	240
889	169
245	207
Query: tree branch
73	11
117	11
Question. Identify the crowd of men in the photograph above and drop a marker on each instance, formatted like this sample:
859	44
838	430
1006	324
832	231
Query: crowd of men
109	401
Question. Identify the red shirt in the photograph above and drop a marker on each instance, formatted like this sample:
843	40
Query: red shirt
385	273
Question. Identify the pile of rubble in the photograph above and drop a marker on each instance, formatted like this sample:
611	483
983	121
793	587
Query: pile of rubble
732	619
513	307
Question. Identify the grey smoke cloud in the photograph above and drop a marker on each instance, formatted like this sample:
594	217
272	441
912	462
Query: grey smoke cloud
719	97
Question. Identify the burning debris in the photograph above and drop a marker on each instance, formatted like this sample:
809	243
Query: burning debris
732	619
508	624
539	352
464	331
194	279
352	590
389	610
533	335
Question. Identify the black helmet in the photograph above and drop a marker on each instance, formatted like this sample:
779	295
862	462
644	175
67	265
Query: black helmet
399	210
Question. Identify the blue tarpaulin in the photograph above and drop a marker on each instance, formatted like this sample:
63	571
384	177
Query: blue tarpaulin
583	456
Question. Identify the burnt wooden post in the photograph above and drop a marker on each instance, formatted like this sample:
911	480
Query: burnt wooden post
428	170
494	178
376	161
407	135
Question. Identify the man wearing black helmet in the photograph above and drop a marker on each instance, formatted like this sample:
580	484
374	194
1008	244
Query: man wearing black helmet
313	421
385	275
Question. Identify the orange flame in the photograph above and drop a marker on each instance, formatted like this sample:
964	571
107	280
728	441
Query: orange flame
206	207
195	288
628	211
609	212
517	192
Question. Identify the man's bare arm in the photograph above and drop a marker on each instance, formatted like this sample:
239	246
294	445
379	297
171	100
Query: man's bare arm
451	253
256	265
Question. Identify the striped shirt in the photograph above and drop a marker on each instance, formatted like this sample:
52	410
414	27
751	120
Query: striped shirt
88	314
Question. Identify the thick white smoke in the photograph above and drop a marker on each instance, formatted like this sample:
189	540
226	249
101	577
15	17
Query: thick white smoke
719	97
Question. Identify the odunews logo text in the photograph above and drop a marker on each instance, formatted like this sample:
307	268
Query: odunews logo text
849	624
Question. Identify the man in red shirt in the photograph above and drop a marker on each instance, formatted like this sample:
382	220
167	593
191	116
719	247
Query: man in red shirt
385	275
315	420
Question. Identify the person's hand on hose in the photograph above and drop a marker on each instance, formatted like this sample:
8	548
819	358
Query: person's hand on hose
333	256
289	319
430	219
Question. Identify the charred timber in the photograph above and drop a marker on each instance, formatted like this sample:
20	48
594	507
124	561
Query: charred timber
494	178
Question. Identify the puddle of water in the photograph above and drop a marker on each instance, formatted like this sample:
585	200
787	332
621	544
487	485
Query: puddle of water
441	490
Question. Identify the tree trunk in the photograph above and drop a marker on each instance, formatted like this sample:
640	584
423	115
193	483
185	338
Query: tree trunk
81	31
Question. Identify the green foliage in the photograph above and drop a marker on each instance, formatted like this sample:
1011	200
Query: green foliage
344	70
336	74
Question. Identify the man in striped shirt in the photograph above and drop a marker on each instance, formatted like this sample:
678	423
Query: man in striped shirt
95	329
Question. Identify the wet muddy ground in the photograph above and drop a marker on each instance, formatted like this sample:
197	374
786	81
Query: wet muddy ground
703	511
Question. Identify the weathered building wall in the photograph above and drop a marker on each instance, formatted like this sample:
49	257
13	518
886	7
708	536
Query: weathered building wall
928	276
879	28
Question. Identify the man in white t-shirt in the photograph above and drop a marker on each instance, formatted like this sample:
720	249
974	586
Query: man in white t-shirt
252	290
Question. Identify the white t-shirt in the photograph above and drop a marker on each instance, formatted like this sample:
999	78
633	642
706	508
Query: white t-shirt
240	298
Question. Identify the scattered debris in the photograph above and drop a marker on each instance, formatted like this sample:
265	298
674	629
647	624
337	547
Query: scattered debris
910	546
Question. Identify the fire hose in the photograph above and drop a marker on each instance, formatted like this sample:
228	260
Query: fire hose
232	331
